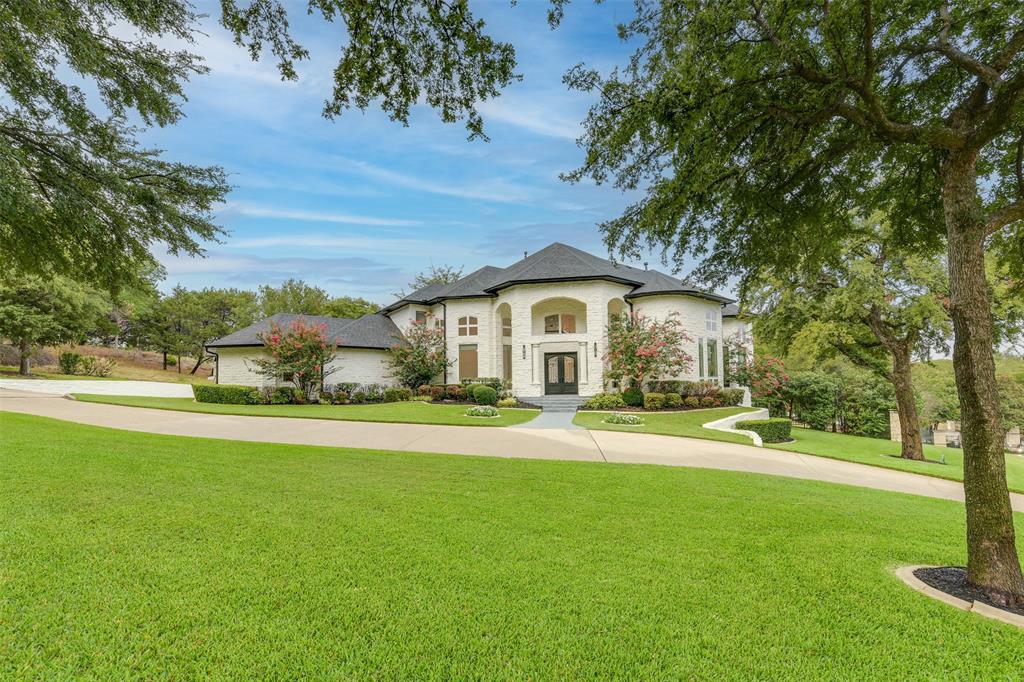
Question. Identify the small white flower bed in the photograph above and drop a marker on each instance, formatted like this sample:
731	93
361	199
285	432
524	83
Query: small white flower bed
625	419
482	411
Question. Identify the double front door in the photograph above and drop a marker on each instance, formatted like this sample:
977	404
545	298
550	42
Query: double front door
560	373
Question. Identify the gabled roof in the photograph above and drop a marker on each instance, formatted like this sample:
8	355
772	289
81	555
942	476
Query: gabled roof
730	310
556	263
369	331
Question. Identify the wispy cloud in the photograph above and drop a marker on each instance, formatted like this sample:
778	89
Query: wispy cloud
538	114
257	211
335	242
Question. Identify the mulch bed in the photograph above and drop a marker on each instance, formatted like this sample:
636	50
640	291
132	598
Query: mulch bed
953	581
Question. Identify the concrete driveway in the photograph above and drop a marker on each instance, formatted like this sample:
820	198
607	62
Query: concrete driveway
152	389
563	444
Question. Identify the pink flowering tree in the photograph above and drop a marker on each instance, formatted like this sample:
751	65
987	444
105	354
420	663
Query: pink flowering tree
768	382
299	353
420	356
641	348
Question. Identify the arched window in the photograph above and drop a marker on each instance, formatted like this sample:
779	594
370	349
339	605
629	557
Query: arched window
468	326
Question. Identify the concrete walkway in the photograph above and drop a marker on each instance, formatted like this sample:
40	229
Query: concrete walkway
152	389
563	444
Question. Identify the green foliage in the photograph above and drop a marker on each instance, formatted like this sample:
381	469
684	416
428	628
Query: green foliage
604	401
299	353
710	401
624	419
226	394
435	274
282	395
482	411
640	347
455	392
394	395
633	397
97	367
420	356
654	401
731	397
69	362
671	401
350	307
507	402
814	400
691	401
770	430
485	395
38	311
292	296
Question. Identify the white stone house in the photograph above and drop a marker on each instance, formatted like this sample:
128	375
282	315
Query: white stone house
539	323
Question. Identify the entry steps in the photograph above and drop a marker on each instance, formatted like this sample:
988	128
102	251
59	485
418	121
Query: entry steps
557	403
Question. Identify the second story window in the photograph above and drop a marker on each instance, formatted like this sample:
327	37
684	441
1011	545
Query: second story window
506	326
563	323
421	316
711	319
468	326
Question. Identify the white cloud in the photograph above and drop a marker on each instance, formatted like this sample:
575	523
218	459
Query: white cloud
257	211
538	114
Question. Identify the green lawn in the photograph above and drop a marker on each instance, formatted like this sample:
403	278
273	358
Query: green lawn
874	451
127	555
411	412
671	423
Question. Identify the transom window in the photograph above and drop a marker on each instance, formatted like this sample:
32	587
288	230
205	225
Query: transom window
468	326
506	326
711	318
562	323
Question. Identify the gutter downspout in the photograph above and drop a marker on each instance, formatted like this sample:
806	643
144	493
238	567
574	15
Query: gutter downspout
216	364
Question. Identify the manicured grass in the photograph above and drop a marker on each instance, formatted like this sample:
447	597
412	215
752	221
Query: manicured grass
874	451
127	555
412	412
671	423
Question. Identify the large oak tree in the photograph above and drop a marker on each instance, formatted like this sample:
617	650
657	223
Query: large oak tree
757	130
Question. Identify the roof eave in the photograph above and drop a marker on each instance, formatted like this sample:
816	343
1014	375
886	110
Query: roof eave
692	294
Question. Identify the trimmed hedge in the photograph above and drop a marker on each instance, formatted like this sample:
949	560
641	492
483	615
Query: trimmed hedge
673	401
396	395
633	397
654	401
226	394
485	395
771	430
604	401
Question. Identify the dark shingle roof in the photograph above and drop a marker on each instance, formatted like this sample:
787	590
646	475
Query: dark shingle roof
555	263
369	331
730	310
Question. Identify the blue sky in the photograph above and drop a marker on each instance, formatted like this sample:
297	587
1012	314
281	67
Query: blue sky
358	205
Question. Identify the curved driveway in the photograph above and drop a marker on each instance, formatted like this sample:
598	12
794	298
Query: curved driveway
564	444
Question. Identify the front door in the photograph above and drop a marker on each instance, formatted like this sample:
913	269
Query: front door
560	374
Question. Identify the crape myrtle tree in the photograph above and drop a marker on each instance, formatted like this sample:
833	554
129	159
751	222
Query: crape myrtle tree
641	348
419	357
300	353
757	130
876	305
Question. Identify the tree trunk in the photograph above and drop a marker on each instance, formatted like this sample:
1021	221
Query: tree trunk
165	361
24	353
906	405
200	361
992	561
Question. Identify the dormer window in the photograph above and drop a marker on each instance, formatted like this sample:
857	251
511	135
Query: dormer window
468	326
563	323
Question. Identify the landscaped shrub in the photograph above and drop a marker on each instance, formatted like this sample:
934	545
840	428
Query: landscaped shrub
282	395
97	367
654	401
482	411
709	401
226	394
673	401
347	386
604	401
485	395
627	419
422	398
494	382
357	397
511	401
69	363
633	397
455	392
699	389
691	402
771	430
667	386
339	397
172	360
437	392
471	391
424	389
731	397
394	395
